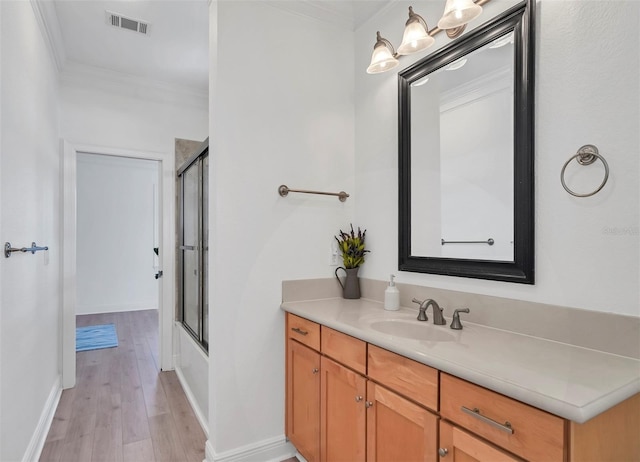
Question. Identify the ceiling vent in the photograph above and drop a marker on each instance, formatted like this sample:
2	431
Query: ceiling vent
122	22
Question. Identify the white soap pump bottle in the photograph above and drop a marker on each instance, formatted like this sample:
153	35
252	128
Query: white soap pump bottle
392	296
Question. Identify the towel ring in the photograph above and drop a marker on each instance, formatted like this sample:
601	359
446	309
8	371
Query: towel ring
586	155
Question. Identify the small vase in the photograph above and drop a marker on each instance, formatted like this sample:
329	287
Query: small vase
351	286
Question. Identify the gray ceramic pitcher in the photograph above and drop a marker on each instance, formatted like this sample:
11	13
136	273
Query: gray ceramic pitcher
351	286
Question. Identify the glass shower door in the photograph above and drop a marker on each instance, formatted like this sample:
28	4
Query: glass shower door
191	248
194	248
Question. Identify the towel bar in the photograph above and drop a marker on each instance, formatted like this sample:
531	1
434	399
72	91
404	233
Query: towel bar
33	249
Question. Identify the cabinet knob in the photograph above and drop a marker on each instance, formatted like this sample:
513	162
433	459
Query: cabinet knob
368	404
359	398
315	370
443	452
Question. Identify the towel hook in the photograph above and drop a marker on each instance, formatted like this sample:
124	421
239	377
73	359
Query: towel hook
586	155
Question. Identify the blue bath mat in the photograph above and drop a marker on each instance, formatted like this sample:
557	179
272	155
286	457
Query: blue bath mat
96	337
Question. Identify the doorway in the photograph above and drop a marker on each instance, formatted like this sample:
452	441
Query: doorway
117	232
163	261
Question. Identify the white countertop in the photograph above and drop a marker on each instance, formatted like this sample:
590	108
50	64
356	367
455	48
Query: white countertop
572	382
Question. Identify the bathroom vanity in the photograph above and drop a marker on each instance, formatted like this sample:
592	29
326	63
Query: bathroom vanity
366	384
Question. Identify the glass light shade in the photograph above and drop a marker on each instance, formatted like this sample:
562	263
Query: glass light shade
382	59
458	13
416	38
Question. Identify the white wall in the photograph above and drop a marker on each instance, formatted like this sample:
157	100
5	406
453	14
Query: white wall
587	250
116	234
91	114
30	188
281	112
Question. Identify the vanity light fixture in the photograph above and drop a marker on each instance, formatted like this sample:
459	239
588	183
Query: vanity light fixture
418	37
383	57
457	13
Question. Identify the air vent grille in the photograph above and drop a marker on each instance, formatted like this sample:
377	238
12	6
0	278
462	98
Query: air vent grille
123	22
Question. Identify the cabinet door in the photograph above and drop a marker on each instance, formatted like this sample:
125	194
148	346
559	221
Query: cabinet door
303	400
460	446
342	415
397	429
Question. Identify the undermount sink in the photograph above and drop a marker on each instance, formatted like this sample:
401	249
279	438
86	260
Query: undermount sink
412	329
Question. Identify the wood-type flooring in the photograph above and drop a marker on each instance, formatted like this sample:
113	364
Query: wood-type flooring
123	408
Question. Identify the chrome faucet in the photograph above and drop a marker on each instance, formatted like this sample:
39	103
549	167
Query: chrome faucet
438	319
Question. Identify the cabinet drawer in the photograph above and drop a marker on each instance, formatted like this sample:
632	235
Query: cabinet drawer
345	349
517	427
405	376
304	331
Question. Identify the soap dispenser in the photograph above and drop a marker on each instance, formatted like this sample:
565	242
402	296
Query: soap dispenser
392	296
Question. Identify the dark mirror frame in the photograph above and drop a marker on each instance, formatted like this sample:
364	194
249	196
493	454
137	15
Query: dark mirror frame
520	19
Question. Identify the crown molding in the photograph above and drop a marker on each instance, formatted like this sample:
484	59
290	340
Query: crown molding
77	75
47	18
336	14
314	11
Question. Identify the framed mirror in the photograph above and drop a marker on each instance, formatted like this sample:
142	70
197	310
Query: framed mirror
466	144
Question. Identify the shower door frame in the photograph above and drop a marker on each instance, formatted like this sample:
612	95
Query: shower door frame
202	247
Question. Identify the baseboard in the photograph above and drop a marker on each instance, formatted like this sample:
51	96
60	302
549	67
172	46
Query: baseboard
272	450
192	400
44	424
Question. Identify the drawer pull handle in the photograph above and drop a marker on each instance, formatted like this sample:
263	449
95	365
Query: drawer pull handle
368	404
315	370
359	398
475	412
443	452
297	330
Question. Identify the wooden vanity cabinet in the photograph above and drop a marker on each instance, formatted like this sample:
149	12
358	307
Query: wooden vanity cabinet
350	401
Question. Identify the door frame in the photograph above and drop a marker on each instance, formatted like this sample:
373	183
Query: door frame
167	240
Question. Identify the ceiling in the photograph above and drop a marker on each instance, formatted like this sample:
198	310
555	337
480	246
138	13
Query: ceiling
175	50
